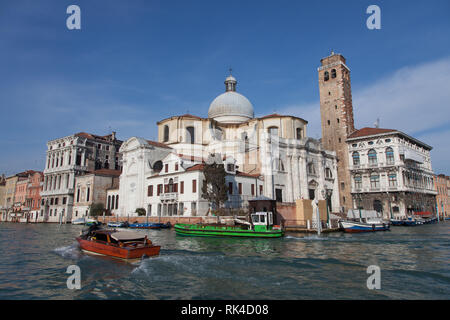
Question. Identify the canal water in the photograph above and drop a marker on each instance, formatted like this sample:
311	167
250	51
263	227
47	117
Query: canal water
414	264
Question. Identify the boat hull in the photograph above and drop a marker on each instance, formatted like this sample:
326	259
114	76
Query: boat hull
125	253
224	231
356	227
149	226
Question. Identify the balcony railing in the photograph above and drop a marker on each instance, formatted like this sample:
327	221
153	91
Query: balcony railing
170	196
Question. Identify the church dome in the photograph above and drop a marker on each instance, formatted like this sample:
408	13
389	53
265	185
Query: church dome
231	107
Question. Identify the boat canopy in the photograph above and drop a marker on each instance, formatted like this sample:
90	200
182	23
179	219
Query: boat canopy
127	236
355	214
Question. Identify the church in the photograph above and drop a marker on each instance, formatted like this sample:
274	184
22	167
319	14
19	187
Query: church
269	156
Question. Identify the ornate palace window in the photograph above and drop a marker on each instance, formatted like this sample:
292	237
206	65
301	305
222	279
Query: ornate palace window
372	156
389	155
358	181
355	157
375	181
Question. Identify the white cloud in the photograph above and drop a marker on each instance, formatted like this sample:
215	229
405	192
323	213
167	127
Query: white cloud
414	99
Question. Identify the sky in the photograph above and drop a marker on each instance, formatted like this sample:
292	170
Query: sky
133	63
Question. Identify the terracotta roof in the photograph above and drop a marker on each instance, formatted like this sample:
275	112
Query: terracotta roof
196	167
276	115
244	174
369	132
107	172
96	137
190	158
187	115
158	144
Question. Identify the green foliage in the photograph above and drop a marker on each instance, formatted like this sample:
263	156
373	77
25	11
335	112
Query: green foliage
96	209
214	188
140	211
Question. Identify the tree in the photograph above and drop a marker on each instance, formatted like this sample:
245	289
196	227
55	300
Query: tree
140	211
214	188
96	209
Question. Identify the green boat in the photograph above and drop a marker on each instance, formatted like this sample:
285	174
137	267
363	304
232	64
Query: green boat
261	227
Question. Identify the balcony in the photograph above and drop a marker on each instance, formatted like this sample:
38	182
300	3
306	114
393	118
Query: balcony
170	196
57	192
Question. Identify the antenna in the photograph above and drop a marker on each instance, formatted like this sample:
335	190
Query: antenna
377	123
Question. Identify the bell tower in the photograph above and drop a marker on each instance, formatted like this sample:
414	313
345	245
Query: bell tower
336	112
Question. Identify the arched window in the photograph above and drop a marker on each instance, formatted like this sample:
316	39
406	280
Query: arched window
166	133
389	155
273	131
117	201
355	157
358	181
328	173
278	164
326	76
113	198
333	73
108	206
372	154
375	181
299	133
392	179
190	135
171	185
311	168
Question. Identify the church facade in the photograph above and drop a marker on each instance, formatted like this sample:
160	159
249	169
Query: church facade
269	156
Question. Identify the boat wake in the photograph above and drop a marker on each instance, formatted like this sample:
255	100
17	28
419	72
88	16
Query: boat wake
71	252
312	237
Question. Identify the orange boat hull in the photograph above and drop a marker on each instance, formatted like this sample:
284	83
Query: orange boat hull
118	252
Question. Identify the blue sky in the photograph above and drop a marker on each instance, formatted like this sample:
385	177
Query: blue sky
136	62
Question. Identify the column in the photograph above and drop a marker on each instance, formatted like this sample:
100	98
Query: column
296	178
289	186
304	177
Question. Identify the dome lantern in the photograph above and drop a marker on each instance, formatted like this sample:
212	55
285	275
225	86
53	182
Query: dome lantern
231	107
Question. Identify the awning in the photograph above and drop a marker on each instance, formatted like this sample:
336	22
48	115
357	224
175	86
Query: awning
423	213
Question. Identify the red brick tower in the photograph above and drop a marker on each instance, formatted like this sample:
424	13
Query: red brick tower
336	111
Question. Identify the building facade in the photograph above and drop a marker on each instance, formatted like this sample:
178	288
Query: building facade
336	110
91	188
33	198
390	172
68	158
274	148
442	188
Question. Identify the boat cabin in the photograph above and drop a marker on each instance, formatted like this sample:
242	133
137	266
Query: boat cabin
262	220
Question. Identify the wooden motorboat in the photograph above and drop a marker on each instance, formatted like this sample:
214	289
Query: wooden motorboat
118	244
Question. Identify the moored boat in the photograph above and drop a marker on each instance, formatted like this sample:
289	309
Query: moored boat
112	224
79	221
363	221
260	227
117	244
91	222
150	225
